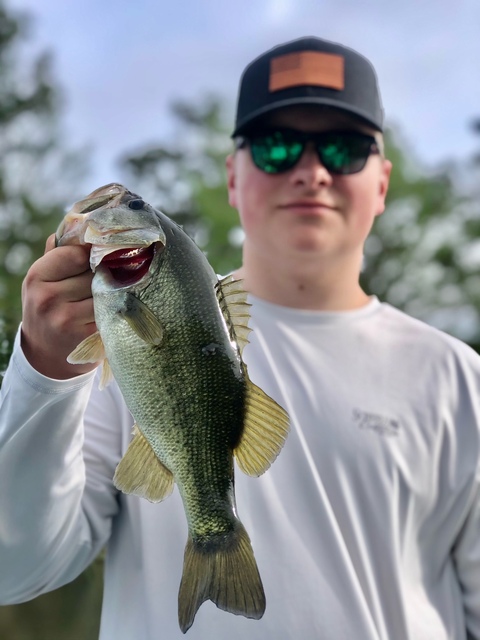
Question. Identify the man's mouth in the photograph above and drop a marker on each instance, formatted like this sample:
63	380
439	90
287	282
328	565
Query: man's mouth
307	205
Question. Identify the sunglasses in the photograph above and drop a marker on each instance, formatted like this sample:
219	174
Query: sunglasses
340	152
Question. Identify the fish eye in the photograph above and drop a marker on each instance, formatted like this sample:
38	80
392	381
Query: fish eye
136	204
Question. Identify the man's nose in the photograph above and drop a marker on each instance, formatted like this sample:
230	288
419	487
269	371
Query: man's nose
309	170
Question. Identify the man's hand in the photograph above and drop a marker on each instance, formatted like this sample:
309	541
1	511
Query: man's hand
57	310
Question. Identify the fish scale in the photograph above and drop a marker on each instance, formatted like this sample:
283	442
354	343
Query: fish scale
172	337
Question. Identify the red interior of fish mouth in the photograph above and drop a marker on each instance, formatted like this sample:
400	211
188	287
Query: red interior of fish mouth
128	266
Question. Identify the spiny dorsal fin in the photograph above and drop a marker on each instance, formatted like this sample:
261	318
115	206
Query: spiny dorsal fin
142	320
89	350
140	471
264	433
236	310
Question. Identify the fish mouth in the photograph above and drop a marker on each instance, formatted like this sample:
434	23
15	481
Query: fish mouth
128	266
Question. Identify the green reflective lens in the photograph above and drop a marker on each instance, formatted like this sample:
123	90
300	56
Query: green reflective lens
340	152
336	155
345	154
274	153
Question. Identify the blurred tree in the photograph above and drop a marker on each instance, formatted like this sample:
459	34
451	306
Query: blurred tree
422	256
187	180
475	126
37	174
69	613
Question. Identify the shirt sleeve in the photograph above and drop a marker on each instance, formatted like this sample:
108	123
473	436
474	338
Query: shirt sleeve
466	550
57	500
466	554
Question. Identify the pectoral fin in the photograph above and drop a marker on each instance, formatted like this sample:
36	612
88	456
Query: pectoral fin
92	350
264	433
89	350
140	471
142	320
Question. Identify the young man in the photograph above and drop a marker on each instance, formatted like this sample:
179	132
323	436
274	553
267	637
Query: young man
367	525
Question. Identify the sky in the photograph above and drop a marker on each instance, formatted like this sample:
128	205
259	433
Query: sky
122	63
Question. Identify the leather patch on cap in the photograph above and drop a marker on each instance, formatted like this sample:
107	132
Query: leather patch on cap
307	68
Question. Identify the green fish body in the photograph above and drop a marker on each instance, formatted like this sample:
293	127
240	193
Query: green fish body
172	335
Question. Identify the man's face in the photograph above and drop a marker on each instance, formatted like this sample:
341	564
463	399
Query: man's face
307	212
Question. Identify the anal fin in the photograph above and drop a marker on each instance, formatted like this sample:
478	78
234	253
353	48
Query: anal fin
140	471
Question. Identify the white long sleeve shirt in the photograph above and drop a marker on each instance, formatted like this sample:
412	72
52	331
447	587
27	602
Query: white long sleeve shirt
367	526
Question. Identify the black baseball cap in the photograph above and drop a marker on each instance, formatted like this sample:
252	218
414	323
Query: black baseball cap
308	71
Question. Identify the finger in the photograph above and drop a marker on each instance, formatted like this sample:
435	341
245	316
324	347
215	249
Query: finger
64	262
83	313
76	288
50	243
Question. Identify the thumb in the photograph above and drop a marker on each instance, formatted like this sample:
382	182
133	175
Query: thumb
50	244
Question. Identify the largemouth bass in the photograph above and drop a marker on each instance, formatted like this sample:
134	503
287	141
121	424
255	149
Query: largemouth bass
172	334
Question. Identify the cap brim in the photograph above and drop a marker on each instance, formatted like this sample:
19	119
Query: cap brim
244	125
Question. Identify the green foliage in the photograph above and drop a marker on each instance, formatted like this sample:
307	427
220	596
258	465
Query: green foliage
422	255
475	127
187	180
69	613
37	175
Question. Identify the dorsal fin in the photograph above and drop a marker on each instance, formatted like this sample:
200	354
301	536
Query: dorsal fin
265	430
232	299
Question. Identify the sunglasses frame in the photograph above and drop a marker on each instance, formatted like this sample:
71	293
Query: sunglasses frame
302	137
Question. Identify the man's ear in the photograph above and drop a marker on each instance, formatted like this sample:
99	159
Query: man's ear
231	183
383	185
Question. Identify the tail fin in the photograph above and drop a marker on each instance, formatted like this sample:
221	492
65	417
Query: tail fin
226	573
